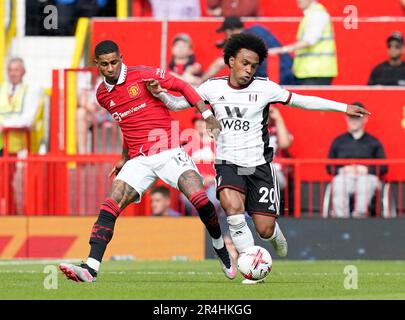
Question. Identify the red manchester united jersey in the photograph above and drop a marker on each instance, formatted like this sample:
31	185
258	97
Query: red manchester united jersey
144	120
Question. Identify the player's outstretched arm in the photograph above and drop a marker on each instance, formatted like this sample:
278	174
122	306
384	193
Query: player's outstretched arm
316	103
180	103
172	102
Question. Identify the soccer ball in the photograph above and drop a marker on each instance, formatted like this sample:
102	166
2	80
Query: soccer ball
254	263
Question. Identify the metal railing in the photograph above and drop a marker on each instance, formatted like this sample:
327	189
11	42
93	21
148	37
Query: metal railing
76	185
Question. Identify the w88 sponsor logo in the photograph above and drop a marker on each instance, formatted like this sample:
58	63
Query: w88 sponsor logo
235	124
231	122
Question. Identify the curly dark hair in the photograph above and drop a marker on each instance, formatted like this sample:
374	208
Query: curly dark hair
244	41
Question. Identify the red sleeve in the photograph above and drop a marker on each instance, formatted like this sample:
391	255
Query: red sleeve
186	90
170	82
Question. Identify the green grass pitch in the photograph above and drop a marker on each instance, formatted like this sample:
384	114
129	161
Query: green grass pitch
204	280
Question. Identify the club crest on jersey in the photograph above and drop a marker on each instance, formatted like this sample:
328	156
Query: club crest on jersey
133	90
252	97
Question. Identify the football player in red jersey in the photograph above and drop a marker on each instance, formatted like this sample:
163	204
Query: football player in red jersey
150	151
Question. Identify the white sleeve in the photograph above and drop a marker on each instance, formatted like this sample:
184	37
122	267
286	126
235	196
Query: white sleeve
29	111
172	102
316	103
316	25
277	94
202	90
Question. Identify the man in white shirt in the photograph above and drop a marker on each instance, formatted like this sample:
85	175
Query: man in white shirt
246	179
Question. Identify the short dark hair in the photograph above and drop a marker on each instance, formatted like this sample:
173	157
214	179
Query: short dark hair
244	41
164	191
396	36
105	47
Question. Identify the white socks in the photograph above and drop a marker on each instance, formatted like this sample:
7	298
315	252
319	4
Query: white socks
93	263
241	235
218	243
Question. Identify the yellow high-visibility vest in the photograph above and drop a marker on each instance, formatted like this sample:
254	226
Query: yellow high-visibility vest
318	60
10	107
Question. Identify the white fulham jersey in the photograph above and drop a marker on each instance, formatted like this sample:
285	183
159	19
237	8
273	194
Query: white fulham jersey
243	114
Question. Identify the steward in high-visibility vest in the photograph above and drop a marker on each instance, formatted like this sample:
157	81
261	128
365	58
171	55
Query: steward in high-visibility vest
20	108
12	106
318	60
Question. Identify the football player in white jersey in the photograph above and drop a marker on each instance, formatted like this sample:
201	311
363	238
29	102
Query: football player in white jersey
246	179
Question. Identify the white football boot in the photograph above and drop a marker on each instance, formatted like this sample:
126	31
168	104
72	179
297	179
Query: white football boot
77	273
279	243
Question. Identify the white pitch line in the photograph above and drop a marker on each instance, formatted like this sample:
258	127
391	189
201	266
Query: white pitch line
338	273
124	272
35	272
192	273
35	262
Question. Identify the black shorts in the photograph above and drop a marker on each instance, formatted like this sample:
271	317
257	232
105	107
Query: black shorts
259	184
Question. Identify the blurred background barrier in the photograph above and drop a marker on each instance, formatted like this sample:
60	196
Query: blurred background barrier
168	238
76	185
67	237
335	239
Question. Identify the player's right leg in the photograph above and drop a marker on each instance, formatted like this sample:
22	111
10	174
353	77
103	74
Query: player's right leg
179	171
129	185
232	202
122	194
231	193
232	198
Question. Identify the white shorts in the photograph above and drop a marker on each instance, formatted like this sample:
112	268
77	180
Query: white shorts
142	171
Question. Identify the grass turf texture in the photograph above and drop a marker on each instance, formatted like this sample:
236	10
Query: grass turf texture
205	280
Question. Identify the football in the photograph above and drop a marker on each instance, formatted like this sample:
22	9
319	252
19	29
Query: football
254	263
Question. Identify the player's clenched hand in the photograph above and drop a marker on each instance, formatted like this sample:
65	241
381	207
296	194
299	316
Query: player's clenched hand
353	110
153	86
213	127
118	166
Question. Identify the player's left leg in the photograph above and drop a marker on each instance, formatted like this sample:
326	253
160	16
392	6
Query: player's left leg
129	185
269	230
190	184
180	172
263	204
